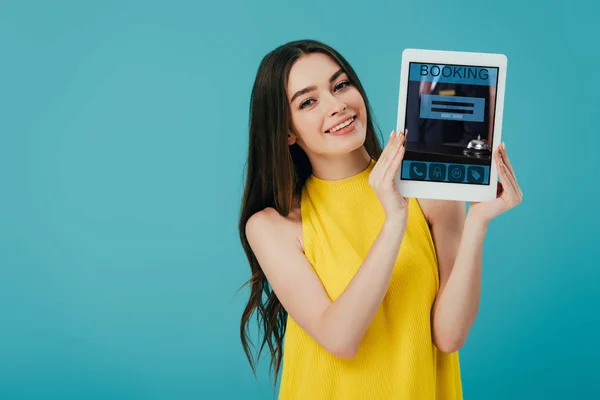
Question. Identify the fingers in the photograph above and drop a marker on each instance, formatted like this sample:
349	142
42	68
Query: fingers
383	156
510	188
394	166
387	155
511	171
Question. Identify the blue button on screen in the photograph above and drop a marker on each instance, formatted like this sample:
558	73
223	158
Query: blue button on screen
445	172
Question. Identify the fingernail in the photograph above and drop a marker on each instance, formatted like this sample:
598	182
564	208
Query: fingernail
398	134
391	133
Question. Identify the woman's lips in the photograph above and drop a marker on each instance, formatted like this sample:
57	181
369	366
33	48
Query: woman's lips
345	130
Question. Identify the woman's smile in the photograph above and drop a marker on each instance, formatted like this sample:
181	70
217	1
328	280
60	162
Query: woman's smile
344	128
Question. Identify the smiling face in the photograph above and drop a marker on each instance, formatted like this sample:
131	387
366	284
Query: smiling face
328	113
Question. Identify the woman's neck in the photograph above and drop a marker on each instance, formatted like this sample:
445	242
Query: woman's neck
336	167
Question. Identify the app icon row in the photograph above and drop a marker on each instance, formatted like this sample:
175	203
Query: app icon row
442	172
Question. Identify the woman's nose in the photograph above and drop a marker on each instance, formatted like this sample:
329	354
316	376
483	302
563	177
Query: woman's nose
336	105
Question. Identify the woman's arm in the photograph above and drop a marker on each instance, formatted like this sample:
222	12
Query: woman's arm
338	326
458	242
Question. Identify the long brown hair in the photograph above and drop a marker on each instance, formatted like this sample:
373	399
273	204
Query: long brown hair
276	173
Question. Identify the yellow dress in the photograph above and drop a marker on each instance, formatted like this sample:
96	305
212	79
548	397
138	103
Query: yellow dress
397	358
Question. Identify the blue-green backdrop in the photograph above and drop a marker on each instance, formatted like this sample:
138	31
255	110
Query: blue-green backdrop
123	134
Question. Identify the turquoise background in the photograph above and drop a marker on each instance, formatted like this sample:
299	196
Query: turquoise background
123	134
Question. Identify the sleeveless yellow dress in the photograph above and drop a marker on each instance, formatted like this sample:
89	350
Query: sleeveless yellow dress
397	358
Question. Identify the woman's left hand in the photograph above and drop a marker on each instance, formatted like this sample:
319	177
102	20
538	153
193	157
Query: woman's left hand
509	194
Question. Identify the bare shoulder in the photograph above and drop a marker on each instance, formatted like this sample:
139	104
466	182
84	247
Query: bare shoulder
438	211
266	223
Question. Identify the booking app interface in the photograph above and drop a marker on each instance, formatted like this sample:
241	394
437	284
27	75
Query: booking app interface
450	121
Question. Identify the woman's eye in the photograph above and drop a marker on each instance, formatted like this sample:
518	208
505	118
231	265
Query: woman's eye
342	83
306	103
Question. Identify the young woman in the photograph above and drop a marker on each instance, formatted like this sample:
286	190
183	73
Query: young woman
374	292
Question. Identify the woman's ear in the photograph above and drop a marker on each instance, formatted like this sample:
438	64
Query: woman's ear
291	138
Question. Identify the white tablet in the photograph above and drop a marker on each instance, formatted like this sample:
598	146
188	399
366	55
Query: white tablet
451	103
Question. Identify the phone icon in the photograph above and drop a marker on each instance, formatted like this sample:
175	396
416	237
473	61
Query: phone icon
418	170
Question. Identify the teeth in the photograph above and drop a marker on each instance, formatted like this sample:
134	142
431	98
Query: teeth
343	124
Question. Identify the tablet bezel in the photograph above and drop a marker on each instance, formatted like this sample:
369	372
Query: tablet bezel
448	190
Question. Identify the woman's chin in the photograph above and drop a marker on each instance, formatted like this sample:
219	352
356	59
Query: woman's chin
354	141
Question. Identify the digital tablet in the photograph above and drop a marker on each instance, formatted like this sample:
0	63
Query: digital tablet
451	103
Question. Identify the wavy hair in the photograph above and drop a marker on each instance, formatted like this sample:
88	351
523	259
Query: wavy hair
275	174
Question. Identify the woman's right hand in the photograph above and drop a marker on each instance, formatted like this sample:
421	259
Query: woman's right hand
382	177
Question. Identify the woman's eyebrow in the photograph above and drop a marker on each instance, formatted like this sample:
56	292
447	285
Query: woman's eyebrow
311	88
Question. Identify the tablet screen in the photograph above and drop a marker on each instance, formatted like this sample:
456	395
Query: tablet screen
450	120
